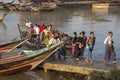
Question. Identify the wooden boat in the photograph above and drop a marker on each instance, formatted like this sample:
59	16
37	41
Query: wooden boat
2	16
12	8
48	6
24	1
100	6
22	8
34	9
32	45
7	47
26	60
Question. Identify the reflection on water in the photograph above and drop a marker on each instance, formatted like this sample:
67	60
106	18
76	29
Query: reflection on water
40	75
64	19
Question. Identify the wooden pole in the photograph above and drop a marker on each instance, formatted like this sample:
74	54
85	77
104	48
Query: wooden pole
20	32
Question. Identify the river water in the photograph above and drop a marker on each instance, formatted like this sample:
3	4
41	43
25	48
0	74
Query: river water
67	20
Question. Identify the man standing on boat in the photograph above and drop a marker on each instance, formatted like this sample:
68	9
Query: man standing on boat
109	49
28	24
36	30
41	27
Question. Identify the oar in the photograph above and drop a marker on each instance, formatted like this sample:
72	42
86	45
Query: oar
20	32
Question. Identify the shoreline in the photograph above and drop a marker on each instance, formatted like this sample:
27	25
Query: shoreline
36	7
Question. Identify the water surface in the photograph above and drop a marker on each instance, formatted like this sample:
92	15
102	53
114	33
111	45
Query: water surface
65	20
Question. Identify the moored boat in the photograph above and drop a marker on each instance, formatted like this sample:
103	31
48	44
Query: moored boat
22	8
7	47
34	9
48	6
12	8
100	6
27	60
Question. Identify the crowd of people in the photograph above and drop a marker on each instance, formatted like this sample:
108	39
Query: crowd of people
80	43
46	34
41	33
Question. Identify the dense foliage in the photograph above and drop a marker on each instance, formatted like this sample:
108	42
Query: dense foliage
112	75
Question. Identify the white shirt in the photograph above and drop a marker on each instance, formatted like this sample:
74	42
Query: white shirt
36	29
53	41
108	40
28	24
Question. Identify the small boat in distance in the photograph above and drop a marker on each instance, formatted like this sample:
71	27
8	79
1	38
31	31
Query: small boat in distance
27	60
48	6
100	6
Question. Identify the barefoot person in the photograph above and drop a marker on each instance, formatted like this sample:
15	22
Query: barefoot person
109	49
90	44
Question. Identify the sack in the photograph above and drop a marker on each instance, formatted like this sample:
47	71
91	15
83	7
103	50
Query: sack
111	48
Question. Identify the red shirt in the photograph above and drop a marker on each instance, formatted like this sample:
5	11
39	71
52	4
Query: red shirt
41	28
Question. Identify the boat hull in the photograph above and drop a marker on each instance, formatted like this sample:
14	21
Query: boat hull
16	70
7	47
27	63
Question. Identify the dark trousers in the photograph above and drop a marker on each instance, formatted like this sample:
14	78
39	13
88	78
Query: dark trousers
80	51
109	54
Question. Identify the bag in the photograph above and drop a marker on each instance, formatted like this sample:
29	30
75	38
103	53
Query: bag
111	48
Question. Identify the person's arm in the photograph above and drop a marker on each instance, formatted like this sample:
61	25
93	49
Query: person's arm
94	42
106	42
87	42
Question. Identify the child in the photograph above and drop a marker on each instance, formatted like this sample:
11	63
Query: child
74	44
90	44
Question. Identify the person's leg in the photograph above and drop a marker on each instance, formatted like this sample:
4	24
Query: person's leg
64	53
106	55
52	56
90	56
82	52
113	57
73	50
77	53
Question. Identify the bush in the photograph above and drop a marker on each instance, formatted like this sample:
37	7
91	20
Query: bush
114	74
95	75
